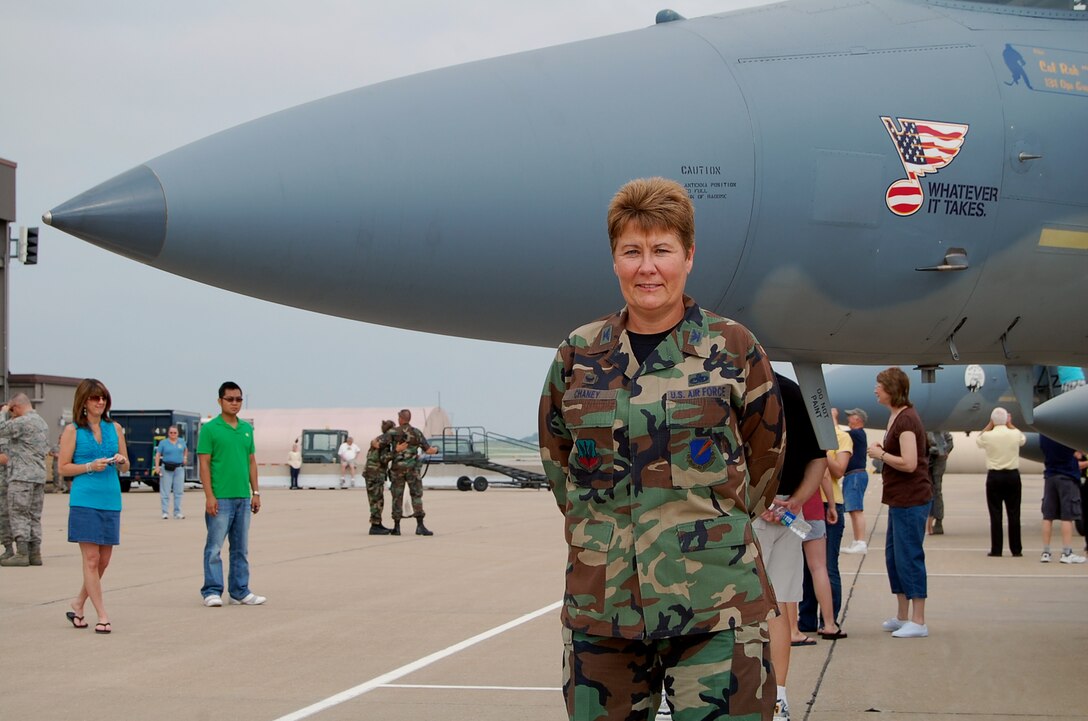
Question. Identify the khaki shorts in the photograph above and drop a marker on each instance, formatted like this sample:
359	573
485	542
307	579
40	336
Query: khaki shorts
783	559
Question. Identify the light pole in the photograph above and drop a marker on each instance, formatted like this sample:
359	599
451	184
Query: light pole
7	215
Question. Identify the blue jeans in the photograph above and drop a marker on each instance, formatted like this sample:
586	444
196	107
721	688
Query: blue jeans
903	552
232	521
808	609
172	481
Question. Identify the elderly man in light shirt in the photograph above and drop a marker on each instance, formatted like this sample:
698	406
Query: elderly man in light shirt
1002	441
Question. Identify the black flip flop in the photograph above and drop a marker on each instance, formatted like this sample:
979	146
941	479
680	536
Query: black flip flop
832	636
72	618
806	641
106	627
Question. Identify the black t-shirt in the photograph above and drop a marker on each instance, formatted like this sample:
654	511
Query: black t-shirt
801	443
858	456
642	344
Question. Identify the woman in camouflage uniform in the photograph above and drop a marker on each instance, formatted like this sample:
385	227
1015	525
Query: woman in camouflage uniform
661	433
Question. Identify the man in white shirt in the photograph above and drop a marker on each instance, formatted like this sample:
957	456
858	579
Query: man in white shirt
347	452
1001	441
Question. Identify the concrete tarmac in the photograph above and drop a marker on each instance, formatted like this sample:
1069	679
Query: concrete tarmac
464	625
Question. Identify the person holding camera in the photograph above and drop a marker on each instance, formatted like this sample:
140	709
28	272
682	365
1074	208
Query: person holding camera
171	457
92	449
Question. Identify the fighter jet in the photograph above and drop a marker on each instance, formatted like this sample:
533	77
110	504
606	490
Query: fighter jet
878	182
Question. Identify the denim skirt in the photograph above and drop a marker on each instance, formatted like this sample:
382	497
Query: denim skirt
90	525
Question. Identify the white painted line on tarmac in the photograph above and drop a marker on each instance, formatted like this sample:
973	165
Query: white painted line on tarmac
1079	576
386	678
555	689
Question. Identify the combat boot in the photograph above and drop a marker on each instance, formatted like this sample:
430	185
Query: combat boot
379	530
9	551
396	528
422	530
21	557
35	554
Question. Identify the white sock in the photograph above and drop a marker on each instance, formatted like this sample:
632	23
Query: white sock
782	694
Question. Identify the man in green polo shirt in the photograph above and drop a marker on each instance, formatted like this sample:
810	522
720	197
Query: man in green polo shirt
228	472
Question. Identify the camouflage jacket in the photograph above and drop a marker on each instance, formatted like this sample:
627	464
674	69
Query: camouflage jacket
27	440
409	457
659	470
377	459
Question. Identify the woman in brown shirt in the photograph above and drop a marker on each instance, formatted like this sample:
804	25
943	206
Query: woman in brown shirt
909	495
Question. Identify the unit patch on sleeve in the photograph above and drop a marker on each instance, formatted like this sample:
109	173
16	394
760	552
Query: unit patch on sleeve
587	457
701	452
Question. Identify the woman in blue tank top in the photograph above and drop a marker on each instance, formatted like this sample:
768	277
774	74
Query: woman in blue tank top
92	448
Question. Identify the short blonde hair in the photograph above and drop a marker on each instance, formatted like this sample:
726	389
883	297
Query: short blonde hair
653	204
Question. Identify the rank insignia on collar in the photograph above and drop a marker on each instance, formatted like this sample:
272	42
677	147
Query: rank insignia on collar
606	335
587	457
695	336
701	452
698	379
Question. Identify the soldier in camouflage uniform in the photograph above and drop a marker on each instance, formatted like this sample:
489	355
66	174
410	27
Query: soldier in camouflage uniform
661	433
27	436
378	455
406	441
5	524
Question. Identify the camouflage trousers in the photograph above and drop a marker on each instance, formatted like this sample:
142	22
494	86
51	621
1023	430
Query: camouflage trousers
5	522
375	494
722	675
401	477
25	510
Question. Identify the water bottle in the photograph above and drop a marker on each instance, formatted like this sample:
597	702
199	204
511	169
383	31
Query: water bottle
790	520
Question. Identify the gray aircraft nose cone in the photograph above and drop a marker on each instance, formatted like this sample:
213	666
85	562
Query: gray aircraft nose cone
126	214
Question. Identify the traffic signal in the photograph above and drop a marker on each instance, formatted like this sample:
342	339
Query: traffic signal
28	246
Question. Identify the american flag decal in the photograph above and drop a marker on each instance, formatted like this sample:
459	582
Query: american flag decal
924	147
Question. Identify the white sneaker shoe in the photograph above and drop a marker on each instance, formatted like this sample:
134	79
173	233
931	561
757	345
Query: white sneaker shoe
165	517
1071	558
781	710
893	624
179	516
910	629
250	600
213	601
1045	558
857	547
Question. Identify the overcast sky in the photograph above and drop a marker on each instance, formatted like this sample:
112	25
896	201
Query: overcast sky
92	89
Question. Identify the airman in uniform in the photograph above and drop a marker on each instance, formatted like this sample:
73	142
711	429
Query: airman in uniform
5	523
407	440
661	434
27	436
378	456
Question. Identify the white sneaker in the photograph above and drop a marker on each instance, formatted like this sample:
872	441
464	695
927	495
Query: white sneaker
165	517
213	600
857	547
893	624
1071	558
179	516
250	600
781	710
910	629
1045	558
